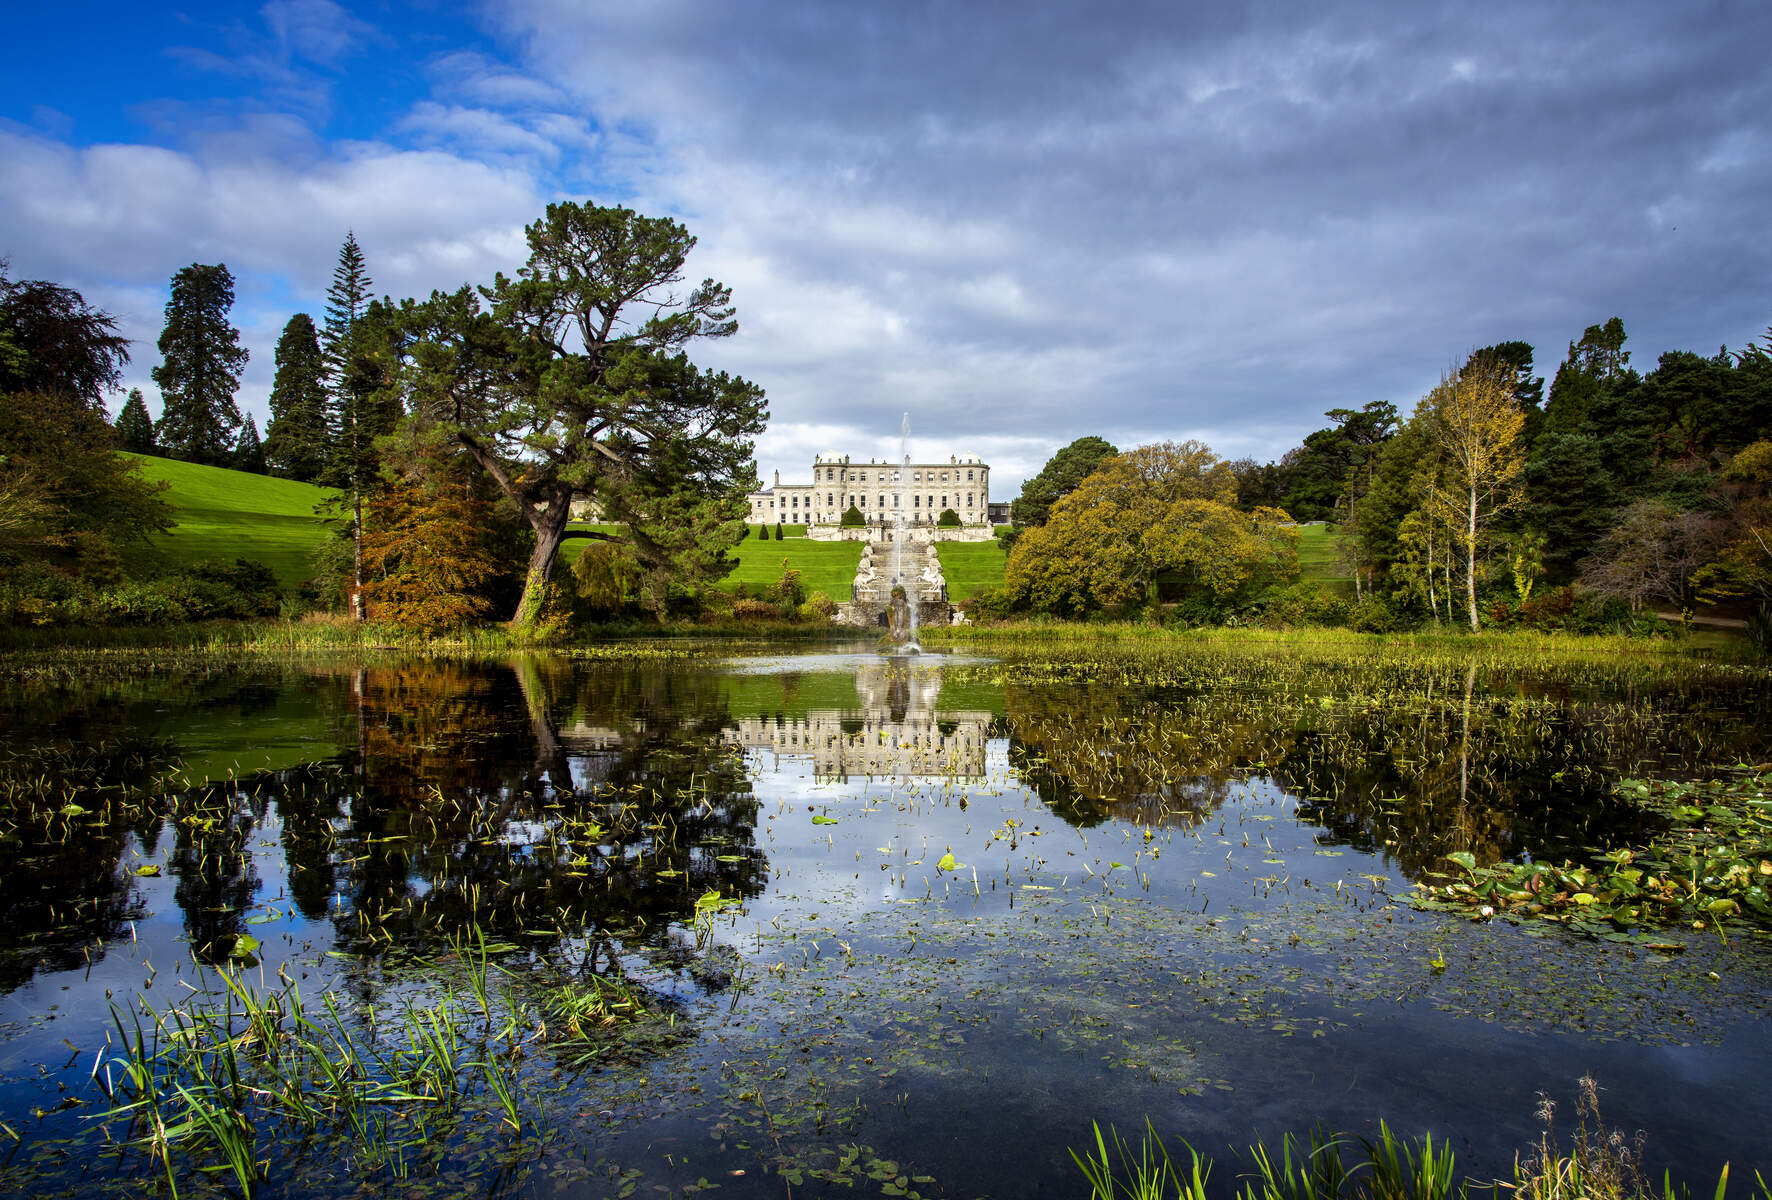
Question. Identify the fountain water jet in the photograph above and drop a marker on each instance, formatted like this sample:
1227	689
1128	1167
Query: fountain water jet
903	623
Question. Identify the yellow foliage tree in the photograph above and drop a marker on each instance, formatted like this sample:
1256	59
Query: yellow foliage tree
1476	421
1159	508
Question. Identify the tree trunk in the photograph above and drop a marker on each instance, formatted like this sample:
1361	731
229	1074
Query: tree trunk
357	555
1470	558
550	530
1433	601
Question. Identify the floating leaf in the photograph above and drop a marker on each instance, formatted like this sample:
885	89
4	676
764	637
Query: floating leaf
147	869
948	863
821	819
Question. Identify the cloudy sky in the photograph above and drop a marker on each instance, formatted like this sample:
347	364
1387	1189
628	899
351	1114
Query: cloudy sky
1020	222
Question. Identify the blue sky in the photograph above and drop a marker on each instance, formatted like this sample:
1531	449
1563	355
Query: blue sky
1021	222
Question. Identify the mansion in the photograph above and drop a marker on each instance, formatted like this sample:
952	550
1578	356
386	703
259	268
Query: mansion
880	491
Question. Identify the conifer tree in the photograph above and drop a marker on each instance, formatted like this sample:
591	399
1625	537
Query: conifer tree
135	428
296	444
200	369
249	451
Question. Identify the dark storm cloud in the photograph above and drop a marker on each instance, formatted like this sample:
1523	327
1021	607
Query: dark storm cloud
1200	221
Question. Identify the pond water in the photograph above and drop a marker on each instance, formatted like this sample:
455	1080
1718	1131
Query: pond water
796	924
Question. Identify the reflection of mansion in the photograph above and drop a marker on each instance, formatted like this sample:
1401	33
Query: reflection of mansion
897	732
882	492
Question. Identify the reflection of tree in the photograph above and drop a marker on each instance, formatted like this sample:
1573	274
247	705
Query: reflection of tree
545	804
1095	752
1412	767
212	860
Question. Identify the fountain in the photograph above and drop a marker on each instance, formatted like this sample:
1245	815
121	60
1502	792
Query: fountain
902	617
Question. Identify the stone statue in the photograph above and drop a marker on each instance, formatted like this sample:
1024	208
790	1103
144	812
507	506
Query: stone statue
898	618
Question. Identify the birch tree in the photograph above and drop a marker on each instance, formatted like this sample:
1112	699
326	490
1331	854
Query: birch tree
1476	422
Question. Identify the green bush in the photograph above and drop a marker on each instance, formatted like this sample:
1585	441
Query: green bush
1303	604
853	517
762	533
1374	614
988	604
949	519
818	608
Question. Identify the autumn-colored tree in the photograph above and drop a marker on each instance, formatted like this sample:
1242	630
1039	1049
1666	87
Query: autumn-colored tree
1476	420
429	541
1652	553
1744	568
1157	509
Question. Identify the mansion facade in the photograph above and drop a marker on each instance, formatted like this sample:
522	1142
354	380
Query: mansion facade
880	491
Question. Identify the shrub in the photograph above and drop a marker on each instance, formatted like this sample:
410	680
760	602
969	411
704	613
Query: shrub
1303	604
988	604
747	609
762	533
1373	614
949	519
853	517
818	608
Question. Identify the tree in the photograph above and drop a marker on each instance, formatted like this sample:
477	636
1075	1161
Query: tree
1332	467
852	517
1161	509
1476	423
67	498
360	342
1058	479
1744	567
430	546
1598	359
249	451
52	343
297	444
577	384
1653	553
135	428
200	369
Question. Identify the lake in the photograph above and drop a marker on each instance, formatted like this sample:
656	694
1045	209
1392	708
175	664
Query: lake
655	918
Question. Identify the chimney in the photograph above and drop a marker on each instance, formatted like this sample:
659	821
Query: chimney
778	479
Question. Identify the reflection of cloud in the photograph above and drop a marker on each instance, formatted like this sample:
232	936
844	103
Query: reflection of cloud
897	733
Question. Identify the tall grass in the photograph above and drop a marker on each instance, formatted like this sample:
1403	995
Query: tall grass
1600	1164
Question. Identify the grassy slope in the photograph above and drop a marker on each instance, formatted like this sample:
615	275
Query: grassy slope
1317	558
827	567
231	514
971	566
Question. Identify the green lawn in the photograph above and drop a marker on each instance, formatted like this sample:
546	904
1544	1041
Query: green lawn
1318	558
970	567
231	514
827	567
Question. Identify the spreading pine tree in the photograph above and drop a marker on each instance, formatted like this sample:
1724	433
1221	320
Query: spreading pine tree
201	361
297	441
135	428
249	452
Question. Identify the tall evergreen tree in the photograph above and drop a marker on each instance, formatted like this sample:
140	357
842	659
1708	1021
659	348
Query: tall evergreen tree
348	390
249	451
297	445
135	428
200	369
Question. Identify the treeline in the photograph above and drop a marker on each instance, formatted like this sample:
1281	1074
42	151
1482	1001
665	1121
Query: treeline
1618	493
460	430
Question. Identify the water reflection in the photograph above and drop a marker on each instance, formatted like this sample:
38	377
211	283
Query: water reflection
896	731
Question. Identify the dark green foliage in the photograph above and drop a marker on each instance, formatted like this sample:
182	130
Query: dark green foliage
249	451
1570	498
577	384
1334	463
1057	479
297	441
852	517
949	519
201	592
360	344
762	533
52	343
68	499
201	362
1599	358
135	428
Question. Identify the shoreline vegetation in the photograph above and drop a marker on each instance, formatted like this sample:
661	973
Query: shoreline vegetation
341	634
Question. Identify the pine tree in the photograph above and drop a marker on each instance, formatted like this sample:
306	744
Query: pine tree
249	452
200	369
348	466
297	445
135	428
